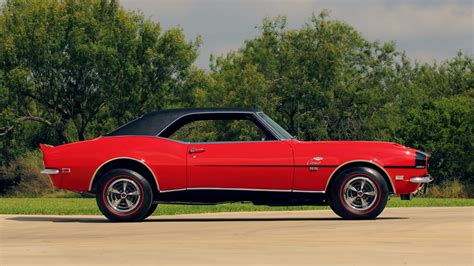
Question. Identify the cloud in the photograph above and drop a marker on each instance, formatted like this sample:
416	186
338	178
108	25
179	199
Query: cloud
408	21
427	30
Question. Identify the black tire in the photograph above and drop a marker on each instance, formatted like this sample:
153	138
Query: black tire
358	193
152	209
124	196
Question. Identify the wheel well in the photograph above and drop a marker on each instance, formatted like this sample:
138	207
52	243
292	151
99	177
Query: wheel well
361	164
126	164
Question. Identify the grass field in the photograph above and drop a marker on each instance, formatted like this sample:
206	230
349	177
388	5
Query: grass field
70	206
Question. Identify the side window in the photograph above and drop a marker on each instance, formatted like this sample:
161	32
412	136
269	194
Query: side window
219	130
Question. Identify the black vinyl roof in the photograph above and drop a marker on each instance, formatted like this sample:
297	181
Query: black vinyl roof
152	124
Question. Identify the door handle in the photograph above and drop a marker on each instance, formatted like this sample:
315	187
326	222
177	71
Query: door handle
197	150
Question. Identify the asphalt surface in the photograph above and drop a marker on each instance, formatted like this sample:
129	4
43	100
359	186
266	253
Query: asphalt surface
413	236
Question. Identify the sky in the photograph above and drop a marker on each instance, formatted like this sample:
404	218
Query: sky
426	30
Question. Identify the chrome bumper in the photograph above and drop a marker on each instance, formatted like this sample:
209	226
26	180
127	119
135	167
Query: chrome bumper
422	179
49	171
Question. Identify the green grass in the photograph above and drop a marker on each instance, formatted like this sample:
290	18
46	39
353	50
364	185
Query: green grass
70	206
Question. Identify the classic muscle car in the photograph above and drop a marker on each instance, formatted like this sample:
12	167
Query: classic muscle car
215	155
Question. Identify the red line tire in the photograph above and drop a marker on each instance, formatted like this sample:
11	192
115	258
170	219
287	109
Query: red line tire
151	210
124	196
359	193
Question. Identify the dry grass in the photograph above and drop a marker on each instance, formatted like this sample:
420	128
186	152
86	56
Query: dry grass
28	180
449	189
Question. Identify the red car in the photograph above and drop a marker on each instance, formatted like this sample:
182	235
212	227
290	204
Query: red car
215	155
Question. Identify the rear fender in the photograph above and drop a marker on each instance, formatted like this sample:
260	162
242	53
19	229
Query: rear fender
45	149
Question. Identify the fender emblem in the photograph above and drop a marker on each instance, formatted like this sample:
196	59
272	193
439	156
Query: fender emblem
315	160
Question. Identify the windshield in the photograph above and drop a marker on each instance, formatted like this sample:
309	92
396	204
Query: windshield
281	133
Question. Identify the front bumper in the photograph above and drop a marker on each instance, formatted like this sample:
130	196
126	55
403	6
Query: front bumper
422	182
422	179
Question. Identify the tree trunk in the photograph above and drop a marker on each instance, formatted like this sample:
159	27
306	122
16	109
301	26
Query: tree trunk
80	135
61	131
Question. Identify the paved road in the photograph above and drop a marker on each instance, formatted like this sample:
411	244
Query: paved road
442	236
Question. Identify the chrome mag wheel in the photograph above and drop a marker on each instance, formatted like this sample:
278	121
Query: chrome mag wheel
123	195
360	193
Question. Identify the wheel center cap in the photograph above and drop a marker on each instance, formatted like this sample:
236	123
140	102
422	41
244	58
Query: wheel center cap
360	194
123	195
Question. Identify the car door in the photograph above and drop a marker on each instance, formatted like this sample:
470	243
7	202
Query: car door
256	165
233	151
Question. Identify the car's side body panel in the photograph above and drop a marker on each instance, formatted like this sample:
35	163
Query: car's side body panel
401	178
274	166
259	165
317	162
165	158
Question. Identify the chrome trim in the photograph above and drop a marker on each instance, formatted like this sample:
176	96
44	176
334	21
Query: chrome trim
188	142
254	114
49	171
308	191
146	136
360	193
235	142
362	161
422	179
267	125
123	195
118	158
198	113
173	190
245	189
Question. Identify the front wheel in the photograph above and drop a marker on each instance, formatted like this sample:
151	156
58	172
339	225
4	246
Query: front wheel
359	193
151	210
124	196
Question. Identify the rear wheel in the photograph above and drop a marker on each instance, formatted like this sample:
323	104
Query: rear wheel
124	196
359	193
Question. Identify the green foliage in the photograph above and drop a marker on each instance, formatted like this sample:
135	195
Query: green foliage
321	81
72	70
325	81
445	128
66	64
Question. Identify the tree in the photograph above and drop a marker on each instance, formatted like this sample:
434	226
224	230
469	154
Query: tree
325	81
448	135
436	111
321	81
80	68
65	63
